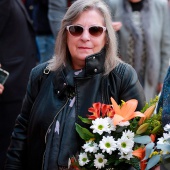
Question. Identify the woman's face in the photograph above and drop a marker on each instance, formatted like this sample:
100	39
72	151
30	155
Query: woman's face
85	44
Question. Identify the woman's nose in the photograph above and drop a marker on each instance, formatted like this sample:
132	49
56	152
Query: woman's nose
85	35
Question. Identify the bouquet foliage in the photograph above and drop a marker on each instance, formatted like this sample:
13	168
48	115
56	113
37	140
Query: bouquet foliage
120	137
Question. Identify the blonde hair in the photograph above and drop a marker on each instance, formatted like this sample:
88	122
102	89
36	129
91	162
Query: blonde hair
62	55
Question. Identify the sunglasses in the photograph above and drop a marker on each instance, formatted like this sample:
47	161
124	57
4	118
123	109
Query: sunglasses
77	30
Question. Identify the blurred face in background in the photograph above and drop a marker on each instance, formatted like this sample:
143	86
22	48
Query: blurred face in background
85	44
134	1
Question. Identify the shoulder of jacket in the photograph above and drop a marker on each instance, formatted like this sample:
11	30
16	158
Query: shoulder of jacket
124	71
38	76
120	69
39	70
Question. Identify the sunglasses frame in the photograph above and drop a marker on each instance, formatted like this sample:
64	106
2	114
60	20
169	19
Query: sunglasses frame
104	29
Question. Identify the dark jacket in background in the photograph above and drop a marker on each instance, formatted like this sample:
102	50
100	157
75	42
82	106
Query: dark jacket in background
18	57
40	17
17	48
38	12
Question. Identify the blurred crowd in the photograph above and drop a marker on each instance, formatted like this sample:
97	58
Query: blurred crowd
28	29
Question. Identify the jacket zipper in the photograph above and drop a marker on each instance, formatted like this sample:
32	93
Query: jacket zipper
49	128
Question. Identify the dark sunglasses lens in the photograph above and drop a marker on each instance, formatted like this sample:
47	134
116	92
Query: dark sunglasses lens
76	30
96	31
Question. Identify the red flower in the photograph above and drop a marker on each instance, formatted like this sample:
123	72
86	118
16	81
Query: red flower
95	110
101	110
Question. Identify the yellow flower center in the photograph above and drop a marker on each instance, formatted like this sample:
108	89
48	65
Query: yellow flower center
123	145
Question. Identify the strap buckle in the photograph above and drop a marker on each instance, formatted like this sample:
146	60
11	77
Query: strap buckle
47	70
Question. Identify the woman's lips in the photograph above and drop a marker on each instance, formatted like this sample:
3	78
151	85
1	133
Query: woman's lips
85	48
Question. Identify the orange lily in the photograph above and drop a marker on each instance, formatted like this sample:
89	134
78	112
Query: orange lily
126	112
140	153
148	113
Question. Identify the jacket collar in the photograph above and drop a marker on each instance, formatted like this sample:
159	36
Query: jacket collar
94	64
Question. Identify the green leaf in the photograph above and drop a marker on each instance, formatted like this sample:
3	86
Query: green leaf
135	163
85	120
156	129
153	161
142	139
164	147
134	124
149	150
84	133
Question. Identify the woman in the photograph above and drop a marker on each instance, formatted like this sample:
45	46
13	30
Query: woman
144	39
84	70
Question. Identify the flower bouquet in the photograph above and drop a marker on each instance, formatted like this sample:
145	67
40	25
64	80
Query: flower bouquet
120	137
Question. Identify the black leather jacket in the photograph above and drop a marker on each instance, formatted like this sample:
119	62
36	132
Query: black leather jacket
46	98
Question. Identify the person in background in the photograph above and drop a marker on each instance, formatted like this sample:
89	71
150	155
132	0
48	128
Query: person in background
44	37
1	88
56	12
164	100
144	39
164	103
85	60
38	11
29	6
17	56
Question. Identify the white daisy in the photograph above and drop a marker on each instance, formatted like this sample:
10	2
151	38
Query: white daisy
166	136
83	159
108	144
129	134
161	140
167	127
164	139
124	123
127	156
125	145
99	161
91	147
111	126
99	125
